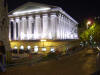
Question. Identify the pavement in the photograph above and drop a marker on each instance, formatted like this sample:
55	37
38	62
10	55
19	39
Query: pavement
80	63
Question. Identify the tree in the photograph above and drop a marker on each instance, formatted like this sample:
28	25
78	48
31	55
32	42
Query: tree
92	34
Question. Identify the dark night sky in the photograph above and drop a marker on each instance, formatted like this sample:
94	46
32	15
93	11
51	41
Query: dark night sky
78	9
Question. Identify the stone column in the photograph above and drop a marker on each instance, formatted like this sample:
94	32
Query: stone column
45	22
64	27
23	28
37	27
49	27
18	22
68	32
40	26
29	27
14	29
11	20
53	20
60	29
20	29
33	27
61	26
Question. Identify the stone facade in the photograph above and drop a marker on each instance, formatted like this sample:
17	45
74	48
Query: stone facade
4	26
33	22
36	22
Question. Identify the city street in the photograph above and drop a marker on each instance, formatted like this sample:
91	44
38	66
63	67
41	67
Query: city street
80	63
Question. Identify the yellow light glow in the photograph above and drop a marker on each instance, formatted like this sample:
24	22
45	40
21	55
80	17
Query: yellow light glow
10	40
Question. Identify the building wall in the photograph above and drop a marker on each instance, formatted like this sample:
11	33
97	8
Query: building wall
57	45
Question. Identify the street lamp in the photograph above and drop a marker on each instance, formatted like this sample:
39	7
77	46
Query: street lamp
89	23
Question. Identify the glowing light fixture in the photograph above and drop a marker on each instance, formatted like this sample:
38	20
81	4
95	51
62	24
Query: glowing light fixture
35	48
30	11
52	50
28	47
89	22
43	40
15	47
43	49
22	47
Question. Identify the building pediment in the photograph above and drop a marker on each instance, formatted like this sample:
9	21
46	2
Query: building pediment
31	7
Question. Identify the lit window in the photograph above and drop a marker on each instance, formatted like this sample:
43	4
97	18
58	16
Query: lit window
28	47
44	49
22	47
52	50
35	48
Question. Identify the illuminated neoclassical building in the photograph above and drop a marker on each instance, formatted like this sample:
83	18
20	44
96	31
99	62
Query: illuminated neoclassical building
33	22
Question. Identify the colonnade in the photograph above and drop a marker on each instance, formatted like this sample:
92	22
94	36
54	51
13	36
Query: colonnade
42	26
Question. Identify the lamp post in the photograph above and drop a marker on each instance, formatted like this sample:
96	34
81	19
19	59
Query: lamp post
88	23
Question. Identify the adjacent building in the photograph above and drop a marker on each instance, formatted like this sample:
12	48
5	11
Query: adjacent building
4	30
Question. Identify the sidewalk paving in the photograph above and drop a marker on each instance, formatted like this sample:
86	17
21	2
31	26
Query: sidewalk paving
81	63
